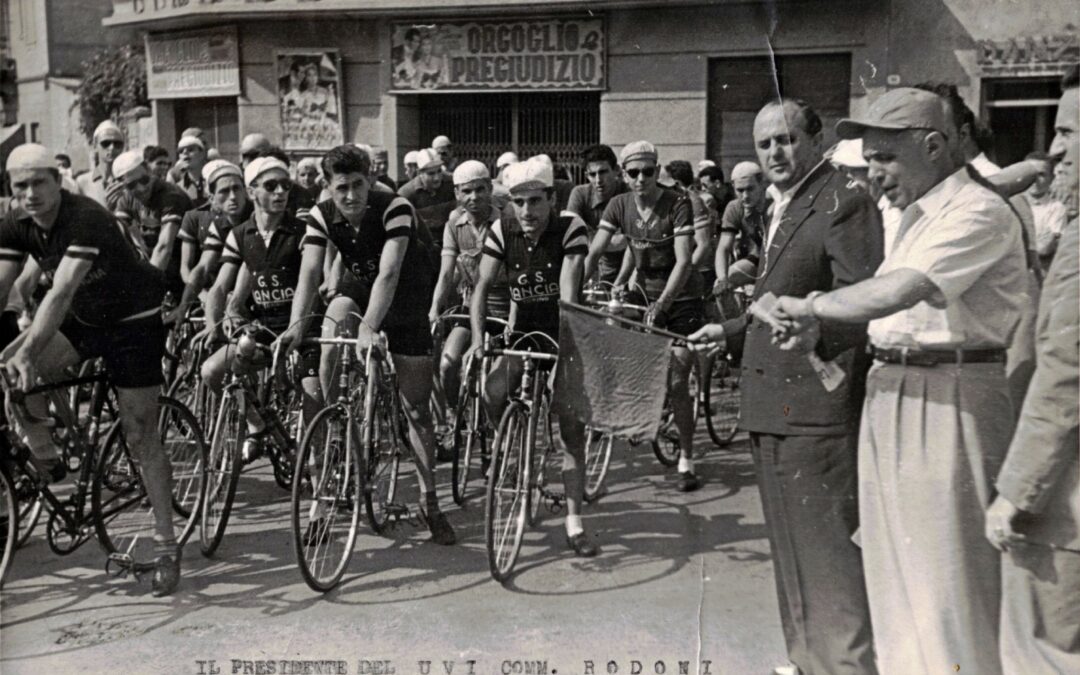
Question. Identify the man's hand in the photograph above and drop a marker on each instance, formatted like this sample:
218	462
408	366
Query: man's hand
999	524
211	333
794	316
802	342
433	315
722	286
173	316
365	338
709	339
21	370
289	340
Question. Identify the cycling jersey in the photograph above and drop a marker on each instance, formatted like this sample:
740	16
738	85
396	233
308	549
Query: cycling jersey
205	230
464	242
274	266
119	286
533	268
166	206
387	216
652	241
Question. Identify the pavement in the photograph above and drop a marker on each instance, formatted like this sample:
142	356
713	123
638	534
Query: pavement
683	584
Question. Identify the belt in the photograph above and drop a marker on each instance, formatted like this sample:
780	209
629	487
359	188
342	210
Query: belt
936	357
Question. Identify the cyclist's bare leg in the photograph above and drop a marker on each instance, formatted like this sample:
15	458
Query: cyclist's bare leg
572	431
213	374
340	321
450	364
503	377
682	405
414	382
139	411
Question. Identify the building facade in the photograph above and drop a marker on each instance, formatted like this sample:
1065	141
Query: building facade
556	76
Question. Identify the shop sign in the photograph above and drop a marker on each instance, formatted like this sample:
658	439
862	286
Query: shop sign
1028	56
193	64
542	54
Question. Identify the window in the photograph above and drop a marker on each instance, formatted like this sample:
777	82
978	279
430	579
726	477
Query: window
1020	113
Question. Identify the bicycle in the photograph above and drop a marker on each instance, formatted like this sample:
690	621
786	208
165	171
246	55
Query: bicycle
517	481
273	403
109	500
721	379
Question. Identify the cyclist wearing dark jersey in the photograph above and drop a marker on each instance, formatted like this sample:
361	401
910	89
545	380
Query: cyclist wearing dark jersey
659	224
104	302
261	261
379	242
542	253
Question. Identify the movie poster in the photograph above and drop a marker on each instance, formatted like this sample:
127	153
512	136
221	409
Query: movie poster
309	94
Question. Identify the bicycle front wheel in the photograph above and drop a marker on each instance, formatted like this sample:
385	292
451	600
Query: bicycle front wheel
222	471
326	492
597	458
470	440
722	401
9	521
507	503
382	457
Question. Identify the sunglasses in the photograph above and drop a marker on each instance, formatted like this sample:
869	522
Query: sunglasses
273	184
138	182
112	144
648	172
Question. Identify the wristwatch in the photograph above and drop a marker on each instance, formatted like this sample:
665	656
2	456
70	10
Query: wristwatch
810	298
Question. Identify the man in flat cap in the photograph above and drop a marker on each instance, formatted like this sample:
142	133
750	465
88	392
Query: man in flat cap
191	157
108	144
430	187
104	302
445	149
937	418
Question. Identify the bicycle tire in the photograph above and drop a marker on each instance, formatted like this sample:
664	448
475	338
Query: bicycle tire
331	478
29	514
470	441
541	457
222	471
722	397
123	519
666	444
507	499
9	523
288	406
382	456
598	448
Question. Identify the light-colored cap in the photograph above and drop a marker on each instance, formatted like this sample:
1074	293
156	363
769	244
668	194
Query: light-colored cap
506	158
744	169
29	156
440	142
643	150
705	164
849	153
307	161
428	159
192	131
261	165
411	157
899	109
126	162
532	174
108	129
218	168
254	143
185	141
469	171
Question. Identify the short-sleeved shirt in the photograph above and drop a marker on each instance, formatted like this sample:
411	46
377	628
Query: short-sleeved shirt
205	230
421	198
533	268
464	242
166	207
652	241
120	285
585	203
195	189
386	217
703	220
274	264
748	224
967	241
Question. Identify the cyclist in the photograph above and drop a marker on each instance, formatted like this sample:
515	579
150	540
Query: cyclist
589	201
659	224
463	239
378	240
542	253
742	229
104	302
261	261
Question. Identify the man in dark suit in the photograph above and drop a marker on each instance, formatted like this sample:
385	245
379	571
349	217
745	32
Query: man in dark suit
823	234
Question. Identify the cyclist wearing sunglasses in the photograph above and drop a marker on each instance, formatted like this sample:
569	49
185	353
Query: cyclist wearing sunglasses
659	224
108	144
261	261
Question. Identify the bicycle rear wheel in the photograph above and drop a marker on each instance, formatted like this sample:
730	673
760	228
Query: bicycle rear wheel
123	518
470	441
507	503
666	445
597	458
325	501
722	401
30	504
222	471
382	456
9	522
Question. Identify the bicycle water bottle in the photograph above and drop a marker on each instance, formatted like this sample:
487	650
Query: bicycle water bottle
246	347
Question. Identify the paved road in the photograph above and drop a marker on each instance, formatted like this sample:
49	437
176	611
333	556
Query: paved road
681	578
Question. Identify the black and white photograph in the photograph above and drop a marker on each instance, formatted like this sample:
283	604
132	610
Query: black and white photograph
631	337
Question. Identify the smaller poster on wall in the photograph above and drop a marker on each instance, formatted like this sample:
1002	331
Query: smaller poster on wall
309	95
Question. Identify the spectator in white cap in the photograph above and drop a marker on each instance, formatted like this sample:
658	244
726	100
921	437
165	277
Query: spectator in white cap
191	156
252	147
463	236
430	187
108	142
500	196
411	158
704	164
542	253
445	149
307	177
847	157
102	303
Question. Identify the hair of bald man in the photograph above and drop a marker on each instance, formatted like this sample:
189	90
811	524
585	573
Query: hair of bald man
747	169
808	118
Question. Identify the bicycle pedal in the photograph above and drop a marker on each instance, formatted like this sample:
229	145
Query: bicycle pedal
124	563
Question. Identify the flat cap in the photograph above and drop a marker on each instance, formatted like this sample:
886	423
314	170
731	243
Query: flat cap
506	158
261	165
897	110
185	141
218	168
428	159
29	156
411	157
108	129
440	142
469	171
127	161
643	150
532	174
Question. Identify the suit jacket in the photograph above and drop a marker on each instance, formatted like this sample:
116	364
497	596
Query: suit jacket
830	236
1041	473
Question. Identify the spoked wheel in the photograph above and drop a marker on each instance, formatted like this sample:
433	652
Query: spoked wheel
326	492
9	522
507	492
722	401
382	456
30	504
470	441
189	389
289	403
666	445
123	517
597	458
543	458
222	471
